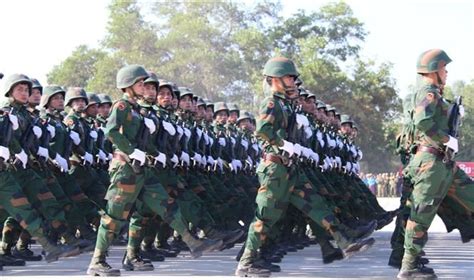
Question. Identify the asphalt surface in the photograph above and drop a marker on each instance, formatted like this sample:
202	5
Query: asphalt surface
450	258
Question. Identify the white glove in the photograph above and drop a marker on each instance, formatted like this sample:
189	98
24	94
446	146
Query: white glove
52	130
75	137
305	152
175	161
184	158
102	156
308	132
211	161
150	124
288	147
297	149
211	141
235	165
250	161
43	152
340	144
302	121
87	158
462	112
331	143
199	133
93	134
255	147
37	131
14	121
61	163
4	153
353	151
220	163
232	139
169	128
203	161
360	154
180	131
197	158
348	167
187	132
321	143
314	156
244	144
222	141
138	155
319	135
338	161
327	161
110	156
206	139
161	158
452	144
23	157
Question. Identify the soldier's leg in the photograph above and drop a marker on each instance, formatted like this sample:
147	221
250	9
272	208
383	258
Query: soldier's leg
432	179
121	196
15	202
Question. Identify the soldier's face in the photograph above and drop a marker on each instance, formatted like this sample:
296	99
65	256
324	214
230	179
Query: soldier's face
209	114
35	97
346	129
92	110
233	117
20	93
174	103
221	117
56	102
354	133
201	112
139	87
104	110
149	93
78	105
245	124
185	103
164	97
443	75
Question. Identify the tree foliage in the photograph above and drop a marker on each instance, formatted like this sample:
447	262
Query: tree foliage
218	49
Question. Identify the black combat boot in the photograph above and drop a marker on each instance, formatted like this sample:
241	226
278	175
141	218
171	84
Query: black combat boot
147	251
328	252
199	246
99	267
133	262
54	252
248	267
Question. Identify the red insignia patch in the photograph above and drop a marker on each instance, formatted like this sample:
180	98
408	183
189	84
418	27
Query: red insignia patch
271	104
120	105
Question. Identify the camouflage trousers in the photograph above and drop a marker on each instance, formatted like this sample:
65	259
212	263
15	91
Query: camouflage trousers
129	189
14	201
431	179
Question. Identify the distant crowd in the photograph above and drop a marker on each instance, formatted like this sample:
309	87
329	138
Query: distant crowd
384	184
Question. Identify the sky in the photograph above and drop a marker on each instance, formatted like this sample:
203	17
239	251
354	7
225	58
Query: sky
36	35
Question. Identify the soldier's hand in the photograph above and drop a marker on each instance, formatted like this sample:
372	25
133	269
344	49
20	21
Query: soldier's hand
462	112
22	157
452	144
51	130
37	131
169	128
4	153
87	158
43	152
287	147
138	155
161	158
61	163
14	120
150	124
75	137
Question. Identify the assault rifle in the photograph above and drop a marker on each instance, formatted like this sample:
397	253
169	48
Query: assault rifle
454	123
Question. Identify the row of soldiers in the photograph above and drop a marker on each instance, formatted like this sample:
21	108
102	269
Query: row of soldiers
161	159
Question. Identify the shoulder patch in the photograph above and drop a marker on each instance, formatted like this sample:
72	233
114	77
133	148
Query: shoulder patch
270	104
120	105
430	96
69	122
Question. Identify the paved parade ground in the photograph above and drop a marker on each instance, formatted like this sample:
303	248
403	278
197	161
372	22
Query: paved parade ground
450	258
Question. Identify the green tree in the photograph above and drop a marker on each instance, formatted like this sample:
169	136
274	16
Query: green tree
77	69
